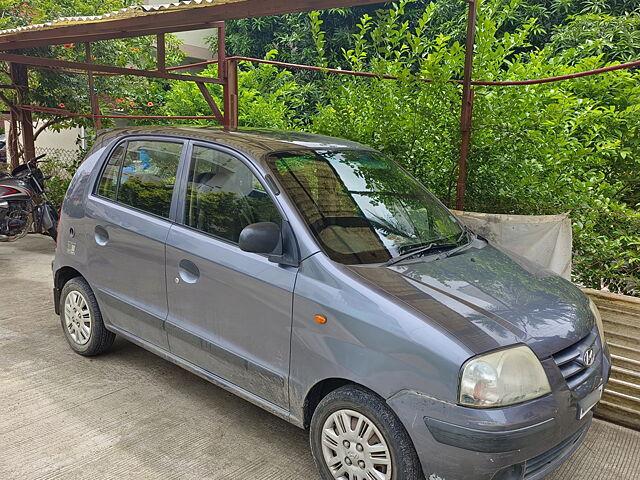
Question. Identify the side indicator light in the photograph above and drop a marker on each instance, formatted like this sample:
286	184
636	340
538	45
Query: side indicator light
321	319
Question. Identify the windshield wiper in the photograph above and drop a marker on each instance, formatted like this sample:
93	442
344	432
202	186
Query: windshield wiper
419	250
461	246
465	233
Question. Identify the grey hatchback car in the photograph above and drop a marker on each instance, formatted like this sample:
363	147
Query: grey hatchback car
315	278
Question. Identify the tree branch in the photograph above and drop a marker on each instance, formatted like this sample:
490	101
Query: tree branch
47	124
9	103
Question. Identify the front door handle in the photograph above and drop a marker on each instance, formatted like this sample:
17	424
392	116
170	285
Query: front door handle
189	271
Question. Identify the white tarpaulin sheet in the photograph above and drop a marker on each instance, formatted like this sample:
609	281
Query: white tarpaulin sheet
544	239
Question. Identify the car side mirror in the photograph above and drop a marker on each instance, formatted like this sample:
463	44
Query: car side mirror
261	237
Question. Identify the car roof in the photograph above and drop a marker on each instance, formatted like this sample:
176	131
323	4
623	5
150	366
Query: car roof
254	142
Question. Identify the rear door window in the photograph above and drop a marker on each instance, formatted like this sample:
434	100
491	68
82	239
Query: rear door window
142	175
108	186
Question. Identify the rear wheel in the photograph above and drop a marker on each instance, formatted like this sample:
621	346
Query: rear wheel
81	319
356	436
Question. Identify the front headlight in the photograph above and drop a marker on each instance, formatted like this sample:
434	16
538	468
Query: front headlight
501	378
598	317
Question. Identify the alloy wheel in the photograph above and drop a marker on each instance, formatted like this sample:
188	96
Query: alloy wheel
77	317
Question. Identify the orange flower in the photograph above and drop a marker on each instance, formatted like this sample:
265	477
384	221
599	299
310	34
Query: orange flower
149	104
61	105
119	99
69	45
132	104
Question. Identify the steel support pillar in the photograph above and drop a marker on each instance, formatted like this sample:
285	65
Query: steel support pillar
93	98
19	78
231	96
466	113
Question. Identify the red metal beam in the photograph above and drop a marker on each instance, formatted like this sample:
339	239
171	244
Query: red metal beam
230	95
161	53
212	103
93	98
171	20
467	105
51	62
141	32
67	113
537	81
20	78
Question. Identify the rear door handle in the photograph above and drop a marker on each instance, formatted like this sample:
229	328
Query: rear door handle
189	271
101	235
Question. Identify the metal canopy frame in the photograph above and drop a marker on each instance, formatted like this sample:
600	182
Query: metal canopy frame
189	15
151	20
137	22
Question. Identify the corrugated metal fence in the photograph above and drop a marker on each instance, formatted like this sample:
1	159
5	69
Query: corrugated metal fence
621	317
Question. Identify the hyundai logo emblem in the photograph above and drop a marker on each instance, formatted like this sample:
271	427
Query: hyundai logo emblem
588	357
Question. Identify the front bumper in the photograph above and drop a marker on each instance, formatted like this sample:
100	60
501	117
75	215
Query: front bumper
525	441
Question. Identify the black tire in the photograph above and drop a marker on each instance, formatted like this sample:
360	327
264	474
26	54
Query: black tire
404	459
99	339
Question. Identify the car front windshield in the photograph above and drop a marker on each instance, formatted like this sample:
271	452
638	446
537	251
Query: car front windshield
361	207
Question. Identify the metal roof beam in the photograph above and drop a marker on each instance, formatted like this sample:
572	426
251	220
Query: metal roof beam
90	67
173	19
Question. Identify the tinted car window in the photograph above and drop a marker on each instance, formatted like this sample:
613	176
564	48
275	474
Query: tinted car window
148	175
108	185
223	196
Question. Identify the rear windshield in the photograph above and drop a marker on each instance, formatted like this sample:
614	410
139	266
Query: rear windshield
362	207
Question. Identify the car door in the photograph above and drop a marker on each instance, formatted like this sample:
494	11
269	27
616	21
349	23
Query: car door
229	310
128	220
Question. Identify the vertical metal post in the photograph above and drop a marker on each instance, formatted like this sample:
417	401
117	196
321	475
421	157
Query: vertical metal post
95	105
467	105
228	73
20	78
222	52
231	96
161	52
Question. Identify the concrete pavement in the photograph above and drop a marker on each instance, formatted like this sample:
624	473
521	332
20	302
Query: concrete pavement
131	415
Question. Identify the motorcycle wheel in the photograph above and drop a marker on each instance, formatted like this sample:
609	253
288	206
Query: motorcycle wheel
21	234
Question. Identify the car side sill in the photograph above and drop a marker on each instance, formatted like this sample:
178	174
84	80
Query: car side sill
216	380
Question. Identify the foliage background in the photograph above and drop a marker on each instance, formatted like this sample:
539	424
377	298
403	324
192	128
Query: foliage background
569	146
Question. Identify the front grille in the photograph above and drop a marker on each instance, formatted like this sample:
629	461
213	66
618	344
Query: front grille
571	363
538	464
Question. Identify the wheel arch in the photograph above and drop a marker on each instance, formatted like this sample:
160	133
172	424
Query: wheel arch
320	390
60	279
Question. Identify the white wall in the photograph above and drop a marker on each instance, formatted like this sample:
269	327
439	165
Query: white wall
195	43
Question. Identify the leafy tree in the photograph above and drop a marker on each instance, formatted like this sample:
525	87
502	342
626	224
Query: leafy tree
268	97
542	149
120	94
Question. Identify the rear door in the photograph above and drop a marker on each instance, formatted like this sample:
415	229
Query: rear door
128	216
229	310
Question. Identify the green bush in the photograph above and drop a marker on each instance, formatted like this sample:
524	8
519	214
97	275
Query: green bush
570	146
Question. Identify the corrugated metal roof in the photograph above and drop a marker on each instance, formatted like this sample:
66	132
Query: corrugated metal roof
124	13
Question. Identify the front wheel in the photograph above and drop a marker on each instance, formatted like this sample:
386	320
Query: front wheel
356	436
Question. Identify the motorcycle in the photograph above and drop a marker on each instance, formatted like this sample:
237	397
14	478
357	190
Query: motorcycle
24	205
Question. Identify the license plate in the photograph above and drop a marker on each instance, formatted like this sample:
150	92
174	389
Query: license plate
588	402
